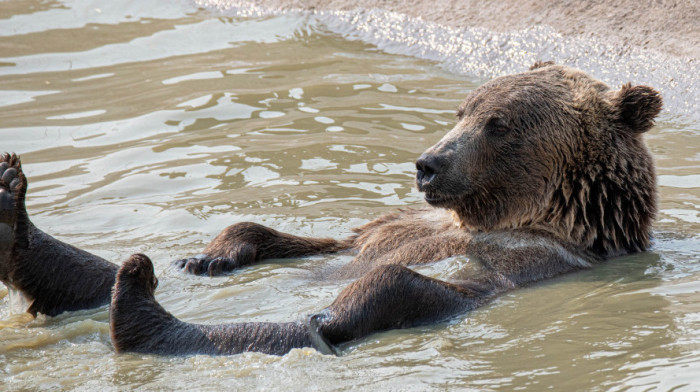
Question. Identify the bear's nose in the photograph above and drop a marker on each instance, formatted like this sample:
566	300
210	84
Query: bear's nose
427	167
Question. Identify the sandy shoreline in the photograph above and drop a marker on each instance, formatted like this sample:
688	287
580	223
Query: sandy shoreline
670	27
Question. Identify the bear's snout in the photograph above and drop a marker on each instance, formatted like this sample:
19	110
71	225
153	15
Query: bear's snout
428	166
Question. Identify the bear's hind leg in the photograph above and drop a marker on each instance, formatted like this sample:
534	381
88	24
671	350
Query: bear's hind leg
53	276
138	323
389	296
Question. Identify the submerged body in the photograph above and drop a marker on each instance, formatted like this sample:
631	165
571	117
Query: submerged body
544	173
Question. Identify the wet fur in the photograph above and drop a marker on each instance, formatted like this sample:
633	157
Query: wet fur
597	189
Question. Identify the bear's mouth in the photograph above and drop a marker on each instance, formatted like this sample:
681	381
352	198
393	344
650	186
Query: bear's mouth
437	199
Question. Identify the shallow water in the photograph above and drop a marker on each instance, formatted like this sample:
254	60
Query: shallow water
148	127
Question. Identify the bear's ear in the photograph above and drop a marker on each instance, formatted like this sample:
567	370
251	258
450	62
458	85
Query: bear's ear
637	106
541	64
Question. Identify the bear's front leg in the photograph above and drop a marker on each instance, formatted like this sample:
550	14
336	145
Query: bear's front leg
245	243
393	296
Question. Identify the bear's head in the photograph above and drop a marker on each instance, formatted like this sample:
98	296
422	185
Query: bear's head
550	149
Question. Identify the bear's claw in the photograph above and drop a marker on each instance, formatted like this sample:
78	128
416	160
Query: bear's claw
204	264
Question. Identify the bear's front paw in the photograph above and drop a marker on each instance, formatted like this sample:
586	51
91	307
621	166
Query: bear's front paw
204	264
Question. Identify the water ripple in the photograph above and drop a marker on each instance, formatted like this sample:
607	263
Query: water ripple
486	54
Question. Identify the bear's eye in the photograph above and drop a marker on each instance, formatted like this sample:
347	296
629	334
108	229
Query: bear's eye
497	127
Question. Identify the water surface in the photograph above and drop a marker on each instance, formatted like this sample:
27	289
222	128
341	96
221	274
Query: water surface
148	127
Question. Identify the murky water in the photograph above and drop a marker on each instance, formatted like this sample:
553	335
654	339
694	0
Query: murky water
149	126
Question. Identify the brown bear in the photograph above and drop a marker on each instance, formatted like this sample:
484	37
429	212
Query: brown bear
544	173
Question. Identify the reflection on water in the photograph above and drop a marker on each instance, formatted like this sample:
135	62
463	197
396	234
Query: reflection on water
147	127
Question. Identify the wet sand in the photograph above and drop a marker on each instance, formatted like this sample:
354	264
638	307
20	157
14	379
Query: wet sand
670	27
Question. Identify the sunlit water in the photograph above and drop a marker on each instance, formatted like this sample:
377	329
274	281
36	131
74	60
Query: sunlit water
149	126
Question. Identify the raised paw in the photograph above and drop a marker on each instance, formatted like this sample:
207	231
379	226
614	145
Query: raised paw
13	186
202	264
